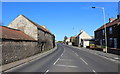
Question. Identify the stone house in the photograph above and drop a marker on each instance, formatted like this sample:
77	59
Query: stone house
23	38
46	40
113	34
82	39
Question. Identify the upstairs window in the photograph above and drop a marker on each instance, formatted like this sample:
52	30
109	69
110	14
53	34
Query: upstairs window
110	42
110	30
103	31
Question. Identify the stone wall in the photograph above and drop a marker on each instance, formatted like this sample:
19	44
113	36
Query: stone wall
23	24
46	40
16	50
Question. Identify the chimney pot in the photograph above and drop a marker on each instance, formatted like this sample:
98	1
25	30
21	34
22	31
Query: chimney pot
111	19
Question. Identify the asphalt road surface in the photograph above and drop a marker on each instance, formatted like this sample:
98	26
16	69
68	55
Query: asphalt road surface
68	59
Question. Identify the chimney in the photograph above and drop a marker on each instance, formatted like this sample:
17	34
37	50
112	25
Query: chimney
81	31
111	19
44	27
118	16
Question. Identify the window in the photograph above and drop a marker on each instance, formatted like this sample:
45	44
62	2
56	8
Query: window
100	42
103	31
110	30
110	42
103	41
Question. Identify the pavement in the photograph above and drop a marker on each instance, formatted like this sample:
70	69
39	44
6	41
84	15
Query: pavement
26	60
70	59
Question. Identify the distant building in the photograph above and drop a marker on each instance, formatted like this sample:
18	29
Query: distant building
82	39
68	41
113	34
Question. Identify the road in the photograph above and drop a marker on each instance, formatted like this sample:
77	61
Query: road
68	59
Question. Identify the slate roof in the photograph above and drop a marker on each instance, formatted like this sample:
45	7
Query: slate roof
109	24
14	34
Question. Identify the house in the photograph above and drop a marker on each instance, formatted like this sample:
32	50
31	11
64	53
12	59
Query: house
23	38
113	34
68	41
81	40
40	33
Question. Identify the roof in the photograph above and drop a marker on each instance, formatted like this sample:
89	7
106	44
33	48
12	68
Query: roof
40	27
109	24
9	33
86	39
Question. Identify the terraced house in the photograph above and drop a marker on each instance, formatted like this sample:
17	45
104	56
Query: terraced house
23	38
113	34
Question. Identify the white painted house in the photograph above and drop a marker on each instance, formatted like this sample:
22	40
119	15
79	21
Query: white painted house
82	39
68	41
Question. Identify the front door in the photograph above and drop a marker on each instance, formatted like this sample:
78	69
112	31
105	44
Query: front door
115	42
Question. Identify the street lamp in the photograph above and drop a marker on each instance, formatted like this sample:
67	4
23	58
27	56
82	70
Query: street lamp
104	27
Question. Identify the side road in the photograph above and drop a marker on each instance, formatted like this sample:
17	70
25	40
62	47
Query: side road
26	60
109	56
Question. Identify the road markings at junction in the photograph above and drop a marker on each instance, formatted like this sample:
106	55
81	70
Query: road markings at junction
66	66
65	60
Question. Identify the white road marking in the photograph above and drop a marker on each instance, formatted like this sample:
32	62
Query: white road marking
76	54
46	72
84	61
65	59
56	61
116	58
58	58
94	71
66	66
61	54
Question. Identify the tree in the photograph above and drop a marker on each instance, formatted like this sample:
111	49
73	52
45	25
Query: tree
65	39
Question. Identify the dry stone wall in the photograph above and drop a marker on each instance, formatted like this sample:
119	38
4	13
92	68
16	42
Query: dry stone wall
16	50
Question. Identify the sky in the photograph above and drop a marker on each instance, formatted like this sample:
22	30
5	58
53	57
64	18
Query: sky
61	18
60	0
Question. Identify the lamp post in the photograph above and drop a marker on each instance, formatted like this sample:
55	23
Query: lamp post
104	27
